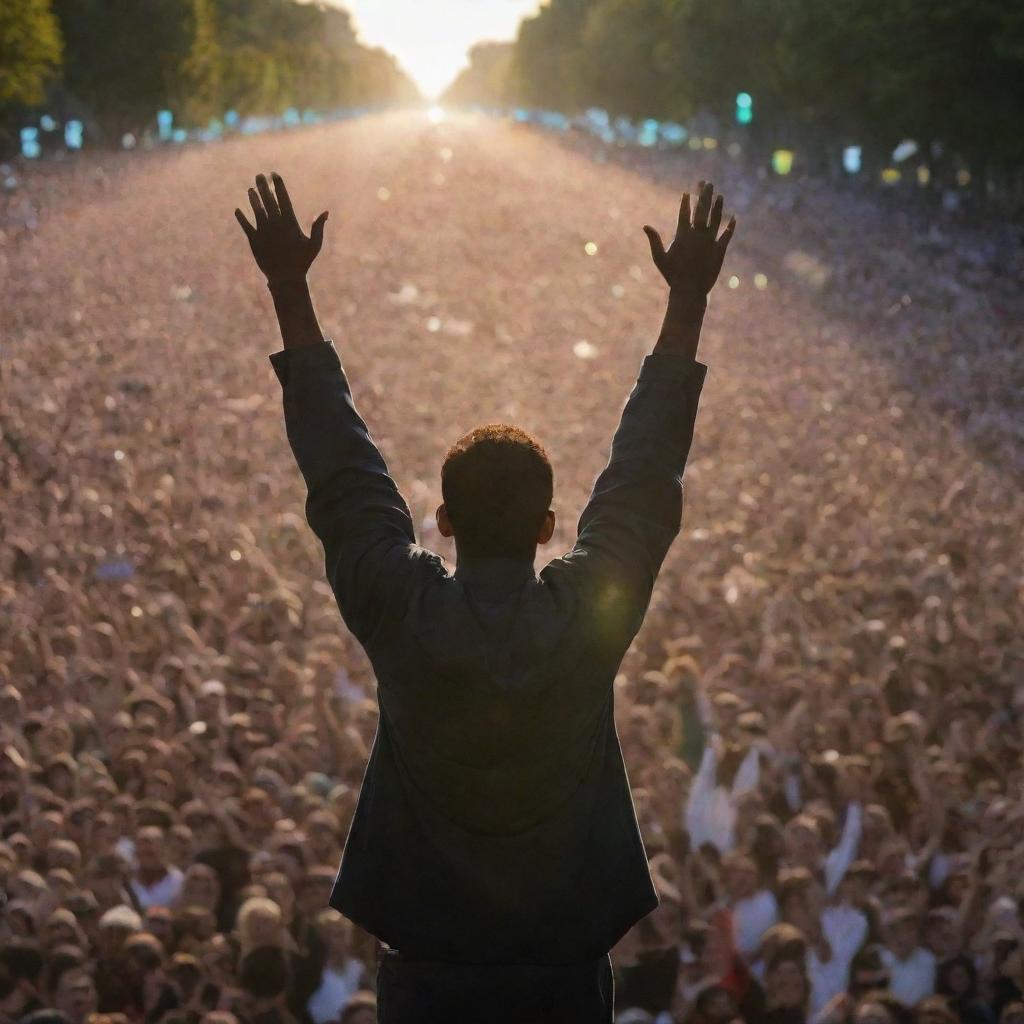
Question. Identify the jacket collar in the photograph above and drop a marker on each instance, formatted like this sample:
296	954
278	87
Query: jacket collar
504	572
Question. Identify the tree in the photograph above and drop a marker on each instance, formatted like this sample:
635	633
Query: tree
271	55
546	67
30	51
823	75
486	79
202	69
124	58
626	67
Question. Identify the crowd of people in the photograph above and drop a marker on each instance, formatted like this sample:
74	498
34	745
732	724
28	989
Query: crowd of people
822	718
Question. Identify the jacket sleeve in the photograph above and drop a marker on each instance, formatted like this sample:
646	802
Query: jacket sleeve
635	510
352	504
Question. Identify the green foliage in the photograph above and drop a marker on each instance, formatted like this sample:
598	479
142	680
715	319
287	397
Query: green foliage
625	67
202	70
486	79
30	51
276	54
821	73
126	59
548	62
376	77
123	57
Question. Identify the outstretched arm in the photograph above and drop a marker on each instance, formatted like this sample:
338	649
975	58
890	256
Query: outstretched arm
690	266
284	254
635	510
352	504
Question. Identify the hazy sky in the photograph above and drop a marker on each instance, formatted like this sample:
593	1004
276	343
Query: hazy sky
431	38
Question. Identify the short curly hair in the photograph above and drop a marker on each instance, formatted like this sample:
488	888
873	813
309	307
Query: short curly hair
497	484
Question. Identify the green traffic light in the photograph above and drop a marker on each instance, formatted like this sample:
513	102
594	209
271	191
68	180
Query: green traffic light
744	108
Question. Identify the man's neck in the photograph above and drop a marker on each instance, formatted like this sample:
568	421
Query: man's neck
500	570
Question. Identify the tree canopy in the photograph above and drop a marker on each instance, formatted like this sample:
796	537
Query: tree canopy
119	61
30	51
870	72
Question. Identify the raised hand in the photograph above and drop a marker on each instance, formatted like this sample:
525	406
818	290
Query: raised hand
693	261
281	249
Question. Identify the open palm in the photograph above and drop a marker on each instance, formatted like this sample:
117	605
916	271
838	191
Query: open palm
694	259
280	247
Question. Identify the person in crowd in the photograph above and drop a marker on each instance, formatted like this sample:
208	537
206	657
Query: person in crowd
264	976
343	975
956	980
754	907
911	965
74	994
154	883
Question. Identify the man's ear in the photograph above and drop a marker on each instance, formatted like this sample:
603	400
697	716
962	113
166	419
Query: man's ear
547	531
444	524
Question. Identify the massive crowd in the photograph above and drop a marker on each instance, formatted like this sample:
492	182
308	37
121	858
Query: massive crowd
823	716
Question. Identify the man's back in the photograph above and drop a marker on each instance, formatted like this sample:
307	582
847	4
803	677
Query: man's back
495	822
507	822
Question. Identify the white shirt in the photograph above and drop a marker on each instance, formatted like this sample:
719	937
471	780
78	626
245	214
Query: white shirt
751	918
938	870
845	930
911	979
711	809
336	989
838	862
163	893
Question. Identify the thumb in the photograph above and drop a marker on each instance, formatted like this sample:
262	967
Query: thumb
657	248
316	232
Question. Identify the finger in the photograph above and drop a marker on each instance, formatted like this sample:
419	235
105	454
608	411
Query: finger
657	247
730	230
720	247
716	215
684	214
257	208
249	230
700	216
269	202
316	232
284	201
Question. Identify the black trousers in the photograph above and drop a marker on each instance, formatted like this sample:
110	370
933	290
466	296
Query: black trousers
429	992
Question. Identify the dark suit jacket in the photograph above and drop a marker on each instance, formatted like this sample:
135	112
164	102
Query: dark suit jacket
495	822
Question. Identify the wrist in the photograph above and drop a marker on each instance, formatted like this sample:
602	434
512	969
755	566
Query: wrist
684	301
287	283
680	330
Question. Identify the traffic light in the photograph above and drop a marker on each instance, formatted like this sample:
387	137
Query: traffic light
73	131
782	161
744	108
30	147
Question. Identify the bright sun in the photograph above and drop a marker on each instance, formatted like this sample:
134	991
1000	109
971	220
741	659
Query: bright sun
432	40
